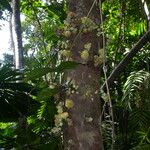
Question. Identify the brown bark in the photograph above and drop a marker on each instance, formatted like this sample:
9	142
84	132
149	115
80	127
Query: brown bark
84	131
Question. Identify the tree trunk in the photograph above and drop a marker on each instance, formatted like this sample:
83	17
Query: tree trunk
17	35
83	131
12	45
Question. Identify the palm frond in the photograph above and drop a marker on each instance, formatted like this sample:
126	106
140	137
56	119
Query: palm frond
132	87
15	97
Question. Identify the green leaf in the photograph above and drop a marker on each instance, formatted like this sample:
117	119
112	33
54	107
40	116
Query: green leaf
4	4
41	71
38	73
66	65
46	94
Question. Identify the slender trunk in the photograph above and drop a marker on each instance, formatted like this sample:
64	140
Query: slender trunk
17	34
12	45
83	133
125	61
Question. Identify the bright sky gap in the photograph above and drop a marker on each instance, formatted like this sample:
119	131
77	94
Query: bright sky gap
4	38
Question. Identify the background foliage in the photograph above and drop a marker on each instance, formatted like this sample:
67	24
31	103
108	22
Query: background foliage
26	127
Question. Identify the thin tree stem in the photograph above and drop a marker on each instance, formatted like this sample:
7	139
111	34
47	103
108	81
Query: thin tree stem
107	87
122	65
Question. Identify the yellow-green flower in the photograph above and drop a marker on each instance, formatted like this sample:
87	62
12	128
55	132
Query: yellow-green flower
85	54
69	103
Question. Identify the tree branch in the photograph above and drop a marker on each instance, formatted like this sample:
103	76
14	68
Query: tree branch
121	66
147	12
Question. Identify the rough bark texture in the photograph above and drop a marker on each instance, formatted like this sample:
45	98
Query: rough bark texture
17	34
84	131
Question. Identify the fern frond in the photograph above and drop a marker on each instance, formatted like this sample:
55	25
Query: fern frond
142	147
132	87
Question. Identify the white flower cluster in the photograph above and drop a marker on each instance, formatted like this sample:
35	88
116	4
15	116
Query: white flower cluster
63	44
59	118
64	50
70	25
98	59
88	24
66	54
85	52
